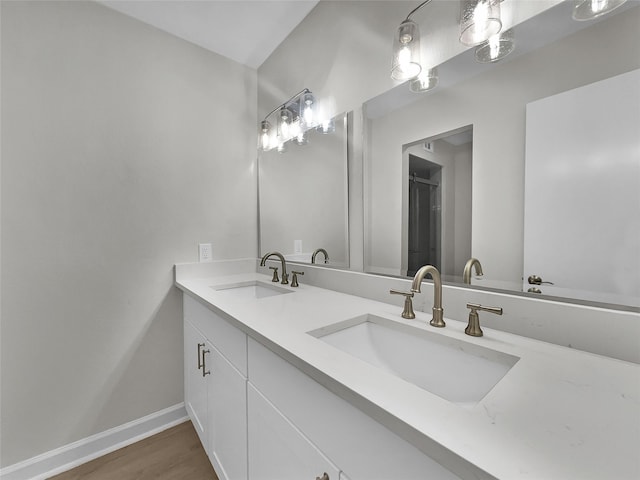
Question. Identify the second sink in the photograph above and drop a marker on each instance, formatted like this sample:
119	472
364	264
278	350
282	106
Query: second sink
455	370
251	290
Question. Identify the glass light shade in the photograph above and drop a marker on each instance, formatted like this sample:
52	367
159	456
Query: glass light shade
590	9
285	119
479	20
265	135
307	110
496	48
406	52
427	80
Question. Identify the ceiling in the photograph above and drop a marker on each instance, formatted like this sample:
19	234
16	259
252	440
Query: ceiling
246	31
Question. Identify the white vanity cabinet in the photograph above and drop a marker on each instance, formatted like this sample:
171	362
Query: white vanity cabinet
276	422
216	387
278	450
361	447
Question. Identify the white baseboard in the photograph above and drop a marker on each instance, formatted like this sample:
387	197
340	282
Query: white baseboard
69	456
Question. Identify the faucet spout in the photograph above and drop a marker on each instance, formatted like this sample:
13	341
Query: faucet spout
466	275
438	312
320	250
285	275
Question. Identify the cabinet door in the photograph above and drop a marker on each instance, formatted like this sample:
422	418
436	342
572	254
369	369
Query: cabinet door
195	384
277	449
227	418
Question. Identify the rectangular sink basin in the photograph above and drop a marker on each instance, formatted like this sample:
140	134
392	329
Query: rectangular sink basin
251	290
455	370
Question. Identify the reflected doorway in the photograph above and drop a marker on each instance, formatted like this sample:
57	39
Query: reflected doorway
425	222
437	203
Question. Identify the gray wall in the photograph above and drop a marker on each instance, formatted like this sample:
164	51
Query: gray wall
122	148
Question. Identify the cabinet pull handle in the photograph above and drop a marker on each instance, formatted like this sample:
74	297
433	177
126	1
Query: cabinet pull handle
325	476
200	345
204	368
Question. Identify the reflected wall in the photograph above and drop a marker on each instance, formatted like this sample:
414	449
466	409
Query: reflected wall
304	198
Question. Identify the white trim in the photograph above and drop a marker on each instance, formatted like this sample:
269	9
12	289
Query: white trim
69	456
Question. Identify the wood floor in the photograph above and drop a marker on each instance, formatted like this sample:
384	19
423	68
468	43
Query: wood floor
173	454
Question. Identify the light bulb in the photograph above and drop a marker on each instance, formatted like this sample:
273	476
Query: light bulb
406	52
427	80
480	19
598	6
265	140
307	106
494	46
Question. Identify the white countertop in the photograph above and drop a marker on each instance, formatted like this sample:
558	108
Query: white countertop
557	414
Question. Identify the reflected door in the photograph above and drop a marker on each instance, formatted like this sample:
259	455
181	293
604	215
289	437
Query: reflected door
582	192
424	214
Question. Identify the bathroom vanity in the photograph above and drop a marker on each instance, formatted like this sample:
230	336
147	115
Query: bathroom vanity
306	382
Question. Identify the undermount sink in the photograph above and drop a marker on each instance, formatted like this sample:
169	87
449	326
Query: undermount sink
251	290
455	370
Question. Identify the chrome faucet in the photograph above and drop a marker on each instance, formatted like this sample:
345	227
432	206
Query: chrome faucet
437	320
320	250
466	275
285	275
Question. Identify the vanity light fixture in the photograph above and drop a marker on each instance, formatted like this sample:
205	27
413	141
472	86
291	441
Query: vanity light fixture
406	49
496	48
293	118
479	20
590	9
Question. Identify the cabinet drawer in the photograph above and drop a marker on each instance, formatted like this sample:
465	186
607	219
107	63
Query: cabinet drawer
277	449
363	448
229	340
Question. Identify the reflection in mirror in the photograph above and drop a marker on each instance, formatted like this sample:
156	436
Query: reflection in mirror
437	203
553	54
303	197
582	192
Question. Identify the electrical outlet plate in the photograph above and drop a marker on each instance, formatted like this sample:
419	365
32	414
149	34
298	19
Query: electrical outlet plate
205	252
297	247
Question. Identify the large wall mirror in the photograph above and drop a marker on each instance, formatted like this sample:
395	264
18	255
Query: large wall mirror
480	124
303	195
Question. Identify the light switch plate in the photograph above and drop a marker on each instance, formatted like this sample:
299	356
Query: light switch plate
297	246
205	252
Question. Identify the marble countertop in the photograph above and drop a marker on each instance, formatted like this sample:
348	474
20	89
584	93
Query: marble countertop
558	413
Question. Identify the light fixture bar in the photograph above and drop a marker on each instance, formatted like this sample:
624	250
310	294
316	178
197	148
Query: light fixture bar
417	8
297	95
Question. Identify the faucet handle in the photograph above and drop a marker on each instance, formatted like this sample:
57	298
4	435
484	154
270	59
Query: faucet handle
294	278
408	304
275	274
473	327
